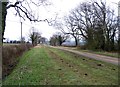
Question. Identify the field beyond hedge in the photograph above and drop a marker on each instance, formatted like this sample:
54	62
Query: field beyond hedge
48	66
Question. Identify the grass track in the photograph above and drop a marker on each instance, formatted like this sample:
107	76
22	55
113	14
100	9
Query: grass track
48	66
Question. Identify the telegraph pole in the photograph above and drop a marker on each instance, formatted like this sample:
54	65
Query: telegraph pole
119	28
118	38
119	24
21	32
1	40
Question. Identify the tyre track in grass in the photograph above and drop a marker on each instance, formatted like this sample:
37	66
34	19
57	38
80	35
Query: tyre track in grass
85	73
108	59
82	73
49	66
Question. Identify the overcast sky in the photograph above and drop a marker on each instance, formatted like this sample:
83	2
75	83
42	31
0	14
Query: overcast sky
62	7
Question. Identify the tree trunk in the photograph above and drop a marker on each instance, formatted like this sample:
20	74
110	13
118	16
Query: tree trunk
76	41
4	14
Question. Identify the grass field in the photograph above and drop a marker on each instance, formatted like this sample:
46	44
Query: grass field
49	66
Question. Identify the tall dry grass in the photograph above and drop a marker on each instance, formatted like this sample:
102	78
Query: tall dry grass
10	57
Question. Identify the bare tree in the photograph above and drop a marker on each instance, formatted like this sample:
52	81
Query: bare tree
95	22
25	10
83	15
108	22
61	37
58	38
71	25
34	36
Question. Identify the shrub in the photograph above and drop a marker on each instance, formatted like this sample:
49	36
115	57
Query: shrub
10	56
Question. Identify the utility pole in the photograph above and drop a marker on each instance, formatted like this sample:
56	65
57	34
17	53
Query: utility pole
21	32
119	27
1	40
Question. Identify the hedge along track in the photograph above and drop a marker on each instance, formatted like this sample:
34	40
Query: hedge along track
69	64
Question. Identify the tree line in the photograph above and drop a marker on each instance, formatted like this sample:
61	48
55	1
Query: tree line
93	22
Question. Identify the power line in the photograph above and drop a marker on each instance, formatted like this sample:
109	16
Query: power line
20	22
12	21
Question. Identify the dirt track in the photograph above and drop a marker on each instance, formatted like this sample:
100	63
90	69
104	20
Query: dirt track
91	55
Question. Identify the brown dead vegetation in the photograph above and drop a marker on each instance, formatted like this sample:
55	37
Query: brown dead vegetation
10	57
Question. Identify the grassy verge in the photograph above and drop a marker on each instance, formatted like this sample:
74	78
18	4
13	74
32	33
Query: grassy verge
37	68
90	71
111	54
105	53
48	66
